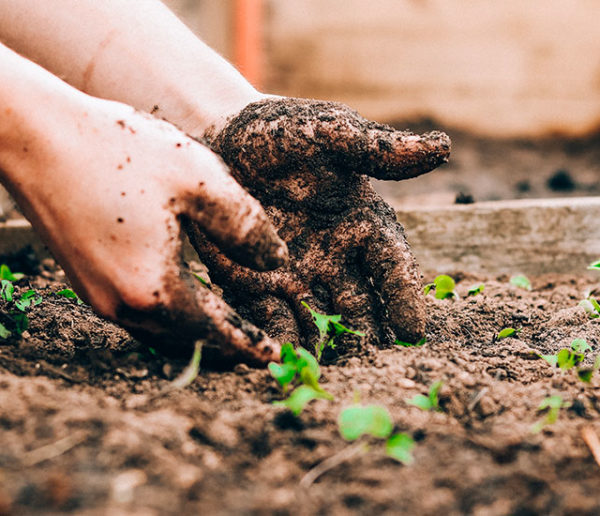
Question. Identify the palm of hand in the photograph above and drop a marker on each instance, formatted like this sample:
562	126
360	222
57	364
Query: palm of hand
305	162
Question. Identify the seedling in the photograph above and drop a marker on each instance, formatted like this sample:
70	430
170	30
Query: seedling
22	303
429	402
444	287
553	404
7	274
591	306
507	332
521	281
375	420
568	358
410	344
329	327
298	366
594	266
476	289
6	290
69	294
29	298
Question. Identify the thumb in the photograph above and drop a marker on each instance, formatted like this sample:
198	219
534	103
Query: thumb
231	217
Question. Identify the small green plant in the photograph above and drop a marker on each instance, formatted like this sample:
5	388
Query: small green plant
418	344
585	373
552	404
444	287
521	281
568	358
507	332
7	274
298	366
22	303
69	294
429	402
594	266
6	290
329	327
201	280
375	420
476	289
591	306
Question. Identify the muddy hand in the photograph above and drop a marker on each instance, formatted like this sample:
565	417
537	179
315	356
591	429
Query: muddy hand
106	188
307	162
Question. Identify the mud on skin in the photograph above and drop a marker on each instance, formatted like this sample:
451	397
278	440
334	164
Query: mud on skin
308	163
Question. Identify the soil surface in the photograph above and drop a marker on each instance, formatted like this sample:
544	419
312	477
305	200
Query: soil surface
490	169
85	430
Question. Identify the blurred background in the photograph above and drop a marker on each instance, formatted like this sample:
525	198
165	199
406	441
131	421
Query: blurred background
515	84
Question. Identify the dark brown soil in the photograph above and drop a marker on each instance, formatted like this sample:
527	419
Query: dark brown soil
82	387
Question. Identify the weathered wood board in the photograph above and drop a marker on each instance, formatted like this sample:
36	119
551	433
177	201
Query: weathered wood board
527	236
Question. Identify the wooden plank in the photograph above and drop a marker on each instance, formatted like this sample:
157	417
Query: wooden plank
528	236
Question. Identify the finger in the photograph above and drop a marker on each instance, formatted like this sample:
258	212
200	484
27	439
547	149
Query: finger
187	312
359	309
289	133
230	216
396	277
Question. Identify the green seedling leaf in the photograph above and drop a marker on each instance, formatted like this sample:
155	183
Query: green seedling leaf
553	404
69	294
357	421
476	289
566	359
283	373
4	333
6	274
580	346
507	332
410	344
329	327
585	375
589	305
399	447
6	290
420	401
29	298
300	397
521	281
444	287
594	266
429	402
201	280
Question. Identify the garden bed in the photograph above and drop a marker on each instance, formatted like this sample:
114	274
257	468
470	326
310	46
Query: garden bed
85	429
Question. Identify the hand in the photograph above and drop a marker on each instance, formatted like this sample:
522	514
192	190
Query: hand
106	188
307	163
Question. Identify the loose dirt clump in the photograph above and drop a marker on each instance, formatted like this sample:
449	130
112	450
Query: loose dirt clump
84	429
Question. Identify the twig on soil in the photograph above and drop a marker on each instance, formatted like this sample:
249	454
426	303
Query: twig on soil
477	398
58	372
590	437
53	450
330	463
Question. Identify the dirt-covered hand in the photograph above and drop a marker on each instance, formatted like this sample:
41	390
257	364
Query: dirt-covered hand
308	163
106	187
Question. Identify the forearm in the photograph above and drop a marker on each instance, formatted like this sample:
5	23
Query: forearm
32	101
136	52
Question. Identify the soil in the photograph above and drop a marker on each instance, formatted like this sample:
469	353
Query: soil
84	429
